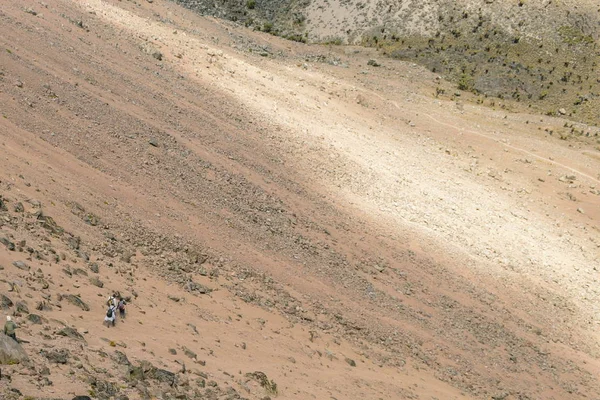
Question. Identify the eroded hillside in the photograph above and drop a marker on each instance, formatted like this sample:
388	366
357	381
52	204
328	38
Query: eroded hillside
540	54
286	220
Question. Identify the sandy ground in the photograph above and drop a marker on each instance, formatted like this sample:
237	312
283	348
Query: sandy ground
449	249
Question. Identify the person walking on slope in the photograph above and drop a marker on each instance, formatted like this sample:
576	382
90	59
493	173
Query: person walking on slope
112	301
121	307
9	328
110	316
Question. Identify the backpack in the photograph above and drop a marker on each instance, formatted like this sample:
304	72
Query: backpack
109	313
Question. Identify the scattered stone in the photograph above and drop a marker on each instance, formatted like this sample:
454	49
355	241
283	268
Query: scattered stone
158	55
4	240
162	375
189	353
136	373
11	351
94	280
192	286
5	302
76	301
70	332
373	63
21	308
562	111
120	358
74	242
153	142
105	390
95	268
49	224
56	356
215	53
35	319
580	210
43	306
9	244
80	271
269	385
91	219
21	265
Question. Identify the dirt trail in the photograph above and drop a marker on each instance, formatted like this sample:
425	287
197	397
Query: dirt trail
360	237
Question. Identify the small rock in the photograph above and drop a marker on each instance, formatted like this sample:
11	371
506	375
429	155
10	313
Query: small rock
153	142
351	362
373	63
91	219
70	332
56	356
562	111
19	207
35	319
22	308
121	358
165	376
5	302
21	265
189	353
580	210
94	280
158	55
76	301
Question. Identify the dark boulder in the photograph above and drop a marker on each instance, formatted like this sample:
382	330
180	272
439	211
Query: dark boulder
11	352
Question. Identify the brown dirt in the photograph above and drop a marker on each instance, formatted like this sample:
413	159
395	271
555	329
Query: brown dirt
450	249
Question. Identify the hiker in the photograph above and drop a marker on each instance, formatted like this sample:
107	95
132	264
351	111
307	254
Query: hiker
112	301
121	307
110	316
9	328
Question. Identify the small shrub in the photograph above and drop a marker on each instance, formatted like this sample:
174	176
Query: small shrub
251	4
